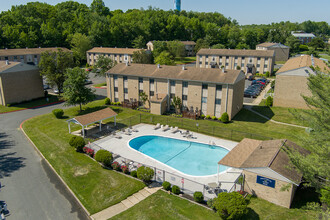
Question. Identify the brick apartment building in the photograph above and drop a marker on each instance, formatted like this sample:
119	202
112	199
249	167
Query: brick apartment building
250	61
281	51
304	38
291	81
27	55
209	90
119	55
19	82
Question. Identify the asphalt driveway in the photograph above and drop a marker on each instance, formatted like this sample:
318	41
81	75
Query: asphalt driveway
30	188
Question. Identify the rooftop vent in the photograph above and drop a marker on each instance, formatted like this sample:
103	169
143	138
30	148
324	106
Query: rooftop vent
127	64
7	62
158	66
223	70
183	67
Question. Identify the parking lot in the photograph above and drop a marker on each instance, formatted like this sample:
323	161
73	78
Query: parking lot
246	99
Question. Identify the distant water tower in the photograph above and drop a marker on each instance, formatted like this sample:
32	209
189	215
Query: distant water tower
177	5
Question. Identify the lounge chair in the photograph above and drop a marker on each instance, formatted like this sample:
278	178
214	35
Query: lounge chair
133	129
157	126
166	127
117	136
128	131
174	130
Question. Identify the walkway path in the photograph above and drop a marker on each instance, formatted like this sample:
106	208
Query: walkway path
249	107
125	204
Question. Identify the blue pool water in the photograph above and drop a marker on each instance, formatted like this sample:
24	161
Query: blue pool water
188	157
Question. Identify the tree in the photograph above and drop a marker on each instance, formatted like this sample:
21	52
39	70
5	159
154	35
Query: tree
143	56
53	66
201	43
241	46
293	43
317	43
230	205
159	47
139	42
164	58
176	102
80	44
75	91
176	48
315	167
103	64
143	97
99	7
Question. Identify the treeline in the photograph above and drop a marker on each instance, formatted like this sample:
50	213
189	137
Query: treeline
43	25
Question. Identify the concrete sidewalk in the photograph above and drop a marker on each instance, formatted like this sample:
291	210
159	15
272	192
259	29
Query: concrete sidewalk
125	204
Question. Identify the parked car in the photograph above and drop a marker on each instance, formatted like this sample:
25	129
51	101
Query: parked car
87	81
251	77
46	87
55	90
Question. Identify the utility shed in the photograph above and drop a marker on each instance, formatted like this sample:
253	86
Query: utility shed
19	82
268	172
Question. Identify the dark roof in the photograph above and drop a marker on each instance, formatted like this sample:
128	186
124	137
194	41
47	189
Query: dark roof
177	73
4	66
230	52
260	154
95	116
27	51
112	50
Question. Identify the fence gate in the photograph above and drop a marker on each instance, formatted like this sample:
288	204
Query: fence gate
160	176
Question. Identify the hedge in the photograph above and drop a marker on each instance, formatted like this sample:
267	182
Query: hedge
58	113
145	174
104	157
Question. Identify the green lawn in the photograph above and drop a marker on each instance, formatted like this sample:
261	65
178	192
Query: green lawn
279	114
325	57
184	60
161	205
96	188
30	104
100	84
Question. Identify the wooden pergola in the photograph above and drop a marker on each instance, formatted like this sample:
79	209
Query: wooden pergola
91	118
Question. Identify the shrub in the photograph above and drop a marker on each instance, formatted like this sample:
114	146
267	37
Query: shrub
210	203
230	205
88	151
269	101
198	197
115	165
208	117
78	143
87	65
104	157
145	174
8	105
166	185
202	116
267	74
214	118
134	173
72	140
124	169
176	190
219	119
225	117
118	103
107	101
58	113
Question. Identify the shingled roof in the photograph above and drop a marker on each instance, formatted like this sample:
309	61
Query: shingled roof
178	73
95	116
251	153
269	44
112	50
4	66
230	52
303	61
27	51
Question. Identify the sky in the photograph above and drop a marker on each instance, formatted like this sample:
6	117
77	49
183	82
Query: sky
244	11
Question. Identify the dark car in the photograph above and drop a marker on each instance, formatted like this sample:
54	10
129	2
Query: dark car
87	81
251	77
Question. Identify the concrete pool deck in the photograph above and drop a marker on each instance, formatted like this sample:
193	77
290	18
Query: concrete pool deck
121	147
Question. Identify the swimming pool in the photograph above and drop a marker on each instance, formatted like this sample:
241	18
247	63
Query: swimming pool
188	157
